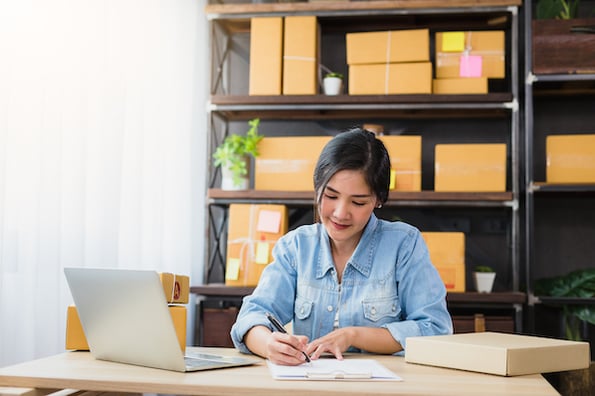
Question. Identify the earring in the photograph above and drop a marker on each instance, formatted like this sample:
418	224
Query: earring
379	206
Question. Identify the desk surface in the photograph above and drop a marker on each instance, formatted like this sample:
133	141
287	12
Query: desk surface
79	370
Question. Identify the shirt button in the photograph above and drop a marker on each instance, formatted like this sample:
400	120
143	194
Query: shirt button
394	308
373	311
301	310
329	308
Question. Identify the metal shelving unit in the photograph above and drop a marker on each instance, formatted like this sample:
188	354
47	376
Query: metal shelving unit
550	85
229	103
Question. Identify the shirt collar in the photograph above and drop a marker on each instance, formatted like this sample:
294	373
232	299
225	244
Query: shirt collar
361	259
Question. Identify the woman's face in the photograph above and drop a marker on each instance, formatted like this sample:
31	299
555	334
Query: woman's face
346	205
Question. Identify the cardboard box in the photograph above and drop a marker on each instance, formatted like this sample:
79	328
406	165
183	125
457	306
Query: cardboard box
287	163
176	287
447	252
470	167
300	55
394	46
498	353
570	158
470	54
75	335
390	79
266	55
252	233
405	161
477	85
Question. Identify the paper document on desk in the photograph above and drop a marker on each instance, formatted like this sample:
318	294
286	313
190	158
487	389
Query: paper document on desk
333	369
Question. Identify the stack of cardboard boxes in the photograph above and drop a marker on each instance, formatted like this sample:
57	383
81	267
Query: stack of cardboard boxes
466	60
284	55
253	230
177	292
389	62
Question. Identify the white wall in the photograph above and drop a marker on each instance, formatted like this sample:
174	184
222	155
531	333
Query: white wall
102	151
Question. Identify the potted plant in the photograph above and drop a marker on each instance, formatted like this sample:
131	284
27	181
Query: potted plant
332	83
233	156
574	285
484	277
559	43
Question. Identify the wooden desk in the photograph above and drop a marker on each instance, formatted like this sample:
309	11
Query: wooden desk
79	370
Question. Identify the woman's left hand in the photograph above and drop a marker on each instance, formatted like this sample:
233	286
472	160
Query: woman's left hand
335	342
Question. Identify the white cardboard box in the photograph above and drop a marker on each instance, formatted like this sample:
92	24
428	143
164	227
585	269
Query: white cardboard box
498	353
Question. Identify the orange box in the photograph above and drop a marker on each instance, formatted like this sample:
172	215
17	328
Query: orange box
300	55
75	335
266	55
570	158
390	79
252	233
394	46
452	46
447	252
405	161
176	287
470	167
287	163
477	85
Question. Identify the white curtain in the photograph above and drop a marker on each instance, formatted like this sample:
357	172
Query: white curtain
101	151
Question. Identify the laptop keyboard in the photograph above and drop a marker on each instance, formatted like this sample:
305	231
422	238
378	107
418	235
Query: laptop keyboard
192	362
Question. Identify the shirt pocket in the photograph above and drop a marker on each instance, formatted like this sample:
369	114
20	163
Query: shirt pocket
378	308
303	308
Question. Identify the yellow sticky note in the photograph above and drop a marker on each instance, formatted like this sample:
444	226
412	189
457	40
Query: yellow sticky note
232	271
453	41
262	253
393	179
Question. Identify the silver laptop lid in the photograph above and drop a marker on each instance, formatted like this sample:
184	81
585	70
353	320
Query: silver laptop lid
125	316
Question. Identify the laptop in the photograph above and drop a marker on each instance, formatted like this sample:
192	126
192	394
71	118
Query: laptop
125	318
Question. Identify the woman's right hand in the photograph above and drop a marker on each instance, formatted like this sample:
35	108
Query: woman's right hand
286	349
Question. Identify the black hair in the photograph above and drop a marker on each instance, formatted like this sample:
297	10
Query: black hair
355	149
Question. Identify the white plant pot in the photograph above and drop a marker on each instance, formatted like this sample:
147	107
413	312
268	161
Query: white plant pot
484	281
228	184
332	85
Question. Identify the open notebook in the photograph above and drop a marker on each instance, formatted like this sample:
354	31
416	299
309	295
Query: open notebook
125	317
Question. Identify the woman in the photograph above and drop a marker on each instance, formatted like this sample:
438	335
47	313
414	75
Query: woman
351	282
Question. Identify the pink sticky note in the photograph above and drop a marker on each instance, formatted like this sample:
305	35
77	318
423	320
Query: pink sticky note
268	221
471	66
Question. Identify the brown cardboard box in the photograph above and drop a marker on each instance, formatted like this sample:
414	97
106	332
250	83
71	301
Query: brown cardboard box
75	335
470	167
394	46
266	55
390	79
477	85
570	158
447	252
498	353
300	55
451	47
405	160
252	232
176	287
287	163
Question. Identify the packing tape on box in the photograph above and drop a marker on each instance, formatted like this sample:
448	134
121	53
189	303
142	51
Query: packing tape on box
387	67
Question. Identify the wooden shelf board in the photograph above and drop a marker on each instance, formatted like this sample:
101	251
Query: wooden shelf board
221	290
396	198
308	7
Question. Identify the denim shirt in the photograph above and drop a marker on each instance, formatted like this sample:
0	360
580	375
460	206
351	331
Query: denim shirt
388	282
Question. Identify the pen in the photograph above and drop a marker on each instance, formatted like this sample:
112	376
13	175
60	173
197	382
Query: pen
279	327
